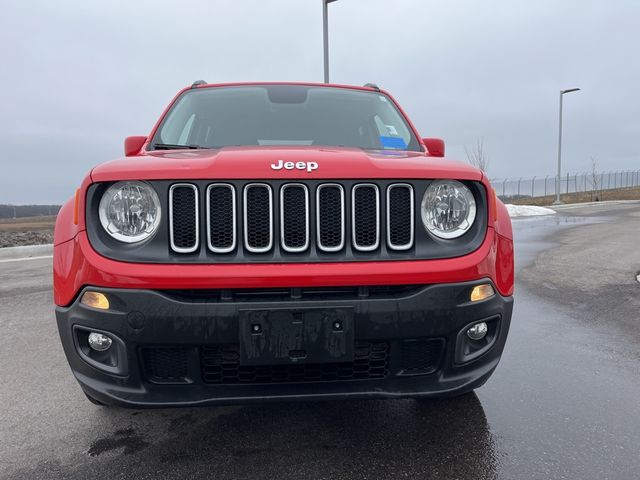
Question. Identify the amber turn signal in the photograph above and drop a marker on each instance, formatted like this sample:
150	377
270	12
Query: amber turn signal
480	292
76	207
95	300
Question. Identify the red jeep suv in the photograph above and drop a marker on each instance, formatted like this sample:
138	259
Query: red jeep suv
281	241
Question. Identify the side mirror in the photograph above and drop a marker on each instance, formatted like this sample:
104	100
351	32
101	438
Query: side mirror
132	145
435	146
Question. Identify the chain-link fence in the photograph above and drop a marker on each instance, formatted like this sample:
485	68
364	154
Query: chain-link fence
514	188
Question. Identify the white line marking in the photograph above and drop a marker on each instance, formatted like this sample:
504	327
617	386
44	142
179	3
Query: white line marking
6	260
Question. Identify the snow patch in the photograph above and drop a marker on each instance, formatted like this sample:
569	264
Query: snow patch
528	210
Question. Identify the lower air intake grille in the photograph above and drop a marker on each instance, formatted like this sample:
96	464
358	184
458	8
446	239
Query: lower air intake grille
221	365
421	356
165	364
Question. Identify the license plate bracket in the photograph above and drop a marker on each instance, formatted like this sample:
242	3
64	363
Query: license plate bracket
301	335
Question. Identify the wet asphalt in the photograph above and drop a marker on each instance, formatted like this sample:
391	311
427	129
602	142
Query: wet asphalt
564	402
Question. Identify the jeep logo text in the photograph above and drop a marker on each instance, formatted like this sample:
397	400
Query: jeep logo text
308	166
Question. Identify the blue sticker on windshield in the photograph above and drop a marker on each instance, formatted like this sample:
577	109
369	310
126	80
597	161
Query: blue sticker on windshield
393	142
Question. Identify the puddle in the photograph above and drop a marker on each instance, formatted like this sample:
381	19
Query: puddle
535	234
126	439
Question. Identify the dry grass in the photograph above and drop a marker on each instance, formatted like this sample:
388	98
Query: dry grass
631	193
26	231
28	224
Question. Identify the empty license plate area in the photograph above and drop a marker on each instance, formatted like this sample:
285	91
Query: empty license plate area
305	335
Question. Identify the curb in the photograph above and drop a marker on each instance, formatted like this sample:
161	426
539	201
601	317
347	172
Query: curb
569	206
27	251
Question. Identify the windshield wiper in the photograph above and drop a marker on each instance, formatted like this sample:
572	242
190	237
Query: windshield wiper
174	146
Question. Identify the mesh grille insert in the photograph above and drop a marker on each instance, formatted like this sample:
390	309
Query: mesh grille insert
330	217
184	217
221	365
400	216
366	222
294	217
165	364
258	218
421	356
222	232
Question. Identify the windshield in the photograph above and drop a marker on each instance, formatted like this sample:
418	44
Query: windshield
284	115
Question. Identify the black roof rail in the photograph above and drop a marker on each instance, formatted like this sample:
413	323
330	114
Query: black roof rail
197	83
372	85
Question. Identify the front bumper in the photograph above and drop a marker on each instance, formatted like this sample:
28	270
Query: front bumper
435	316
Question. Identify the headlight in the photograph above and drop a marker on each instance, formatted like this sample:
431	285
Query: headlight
448	209
130	211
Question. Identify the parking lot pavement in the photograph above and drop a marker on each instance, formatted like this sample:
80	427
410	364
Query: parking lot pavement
562	404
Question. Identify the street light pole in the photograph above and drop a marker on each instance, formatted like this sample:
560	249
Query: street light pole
562	92
325	36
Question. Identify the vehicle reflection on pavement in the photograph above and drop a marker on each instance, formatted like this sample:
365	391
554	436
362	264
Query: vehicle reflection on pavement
388	439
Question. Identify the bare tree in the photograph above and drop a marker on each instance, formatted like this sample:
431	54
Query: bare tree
595	180
477	156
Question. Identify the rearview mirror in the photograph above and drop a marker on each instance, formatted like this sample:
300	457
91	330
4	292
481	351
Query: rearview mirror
435	146
132	145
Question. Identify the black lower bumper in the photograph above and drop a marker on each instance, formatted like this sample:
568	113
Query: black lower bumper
180	348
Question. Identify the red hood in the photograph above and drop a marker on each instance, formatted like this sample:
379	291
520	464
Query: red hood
255	163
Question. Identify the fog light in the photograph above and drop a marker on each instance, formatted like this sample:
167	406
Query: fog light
477	331
480	292
99	341
95	300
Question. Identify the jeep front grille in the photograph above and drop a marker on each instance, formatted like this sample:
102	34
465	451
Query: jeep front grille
290	212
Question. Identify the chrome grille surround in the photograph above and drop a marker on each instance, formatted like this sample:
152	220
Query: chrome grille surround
290	215
196	212
340	246
247	245
354	226
283	233
234	227
408	245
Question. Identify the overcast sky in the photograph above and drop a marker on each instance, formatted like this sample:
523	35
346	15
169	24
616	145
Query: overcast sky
79	76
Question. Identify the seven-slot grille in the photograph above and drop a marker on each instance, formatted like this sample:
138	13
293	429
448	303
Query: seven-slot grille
255	209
